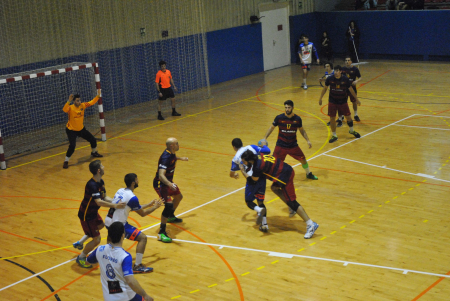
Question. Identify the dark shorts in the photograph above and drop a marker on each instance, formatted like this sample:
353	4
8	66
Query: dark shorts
352	99
342	109
288	189
306	66
156	187
294	152
256	191
90	228
165	192
131	232
166	93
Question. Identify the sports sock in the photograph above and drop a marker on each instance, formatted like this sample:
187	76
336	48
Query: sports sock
356	112
264	221
82	255
162	228
94	150
309	222
306	168
350	125
83	239
67	159
139	258
304	81
334	134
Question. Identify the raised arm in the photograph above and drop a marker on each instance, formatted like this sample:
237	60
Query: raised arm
94	101
103	203
67	105
150	207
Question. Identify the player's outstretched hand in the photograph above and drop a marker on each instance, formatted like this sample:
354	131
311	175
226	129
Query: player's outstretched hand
309	144
173	186
71	97
358	102
156	203
148	298
236	175
318	62
99	92
320	102
184	159
120	205
175	88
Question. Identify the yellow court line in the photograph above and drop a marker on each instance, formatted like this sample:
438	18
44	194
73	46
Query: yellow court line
407	94
28	254
145	129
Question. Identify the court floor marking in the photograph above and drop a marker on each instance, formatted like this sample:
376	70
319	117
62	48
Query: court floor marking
440	116
397	170
289	255
421	127
311	158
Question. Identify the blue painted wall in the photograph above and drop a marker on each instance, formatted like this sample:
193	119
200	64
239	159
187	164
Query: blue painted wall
302	24
384	34
234	53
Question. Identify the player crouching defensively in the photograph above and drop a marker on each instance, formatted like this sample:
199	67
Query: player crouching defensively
283	185
256	191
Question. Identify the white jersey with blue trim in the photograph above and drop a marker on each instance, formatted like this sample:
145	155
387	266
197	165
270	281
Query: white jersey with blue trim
121	215
327	75
237	158
115	263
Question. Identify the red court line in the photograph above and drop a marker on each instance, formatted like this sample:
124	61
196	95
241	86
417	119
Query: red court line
362	85
40	210
369	175
429	288
36	197
200	150
41	242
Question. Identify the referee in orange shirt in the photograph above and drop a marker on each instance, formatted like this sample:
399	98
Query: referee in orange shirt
75	127
164	83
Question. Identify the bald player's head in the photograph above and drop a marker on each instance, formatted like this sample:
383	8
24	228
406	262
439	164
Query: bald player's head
172	144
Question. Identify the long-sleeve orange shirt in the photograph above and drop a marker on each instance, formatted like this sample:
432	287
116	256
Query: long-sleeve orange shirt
76	115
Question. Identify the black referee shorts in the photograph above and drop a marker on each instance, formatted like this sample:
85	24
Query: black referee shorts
166	93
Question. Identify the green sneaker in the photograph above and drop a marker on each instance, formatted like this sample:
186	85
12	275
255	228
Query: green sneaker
333	139
356	134
164	238
82	263
174	220
311	176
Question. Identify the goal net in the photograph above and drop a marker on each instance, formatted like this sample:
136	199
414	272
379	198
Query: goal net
31	115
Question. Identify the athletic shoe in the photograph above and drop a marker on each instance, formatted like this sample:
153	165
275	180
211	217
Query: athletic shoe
356	134
311	176
160	117
96	155
264	228
174	220
291	212
66	164
164	238
78	245
260	216
310	230
328	123
333	139
339	123
305	87
357	118
176	113
140	269
82	263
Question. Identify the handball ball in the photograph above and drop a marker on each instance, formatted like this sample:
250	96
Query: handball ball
262	142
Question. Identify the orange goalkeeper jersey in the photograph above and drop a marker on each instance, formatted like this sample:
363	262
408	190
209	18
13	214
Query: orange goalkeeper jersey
76	115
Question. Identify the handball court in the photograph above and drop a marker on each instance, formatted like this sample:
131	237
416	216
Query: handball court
381	201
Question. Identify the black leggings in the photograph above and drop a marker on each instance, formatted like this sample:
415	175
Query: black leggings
72	136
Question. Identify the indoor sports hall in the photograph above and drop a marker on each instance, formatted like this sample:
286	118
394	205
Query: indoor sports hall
380	200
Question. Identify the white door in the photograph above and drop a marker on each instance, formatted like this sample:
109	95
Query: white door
275	37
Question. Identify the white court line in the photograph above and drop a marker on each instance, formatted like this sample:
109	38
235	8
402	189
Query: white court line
421	127
289	255
37	274
312	158
437	116
397	170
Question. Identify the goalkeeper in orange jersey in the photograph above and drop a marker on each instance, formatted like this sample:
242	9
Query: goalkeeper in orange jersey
75	127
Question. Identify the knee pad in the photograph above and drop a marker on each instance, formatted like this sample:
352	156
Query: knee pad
168	210
250	204
293	205
350	123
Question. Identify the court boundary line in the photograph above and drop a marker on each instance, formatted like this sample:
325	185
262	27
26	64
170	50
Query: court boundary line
421	127
289	255
387	168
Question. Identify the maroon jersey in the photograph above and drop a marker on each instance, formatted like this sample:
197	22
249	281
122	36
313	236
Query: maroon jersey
273	167
89	208
352	73
167	161
338	89
287	130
